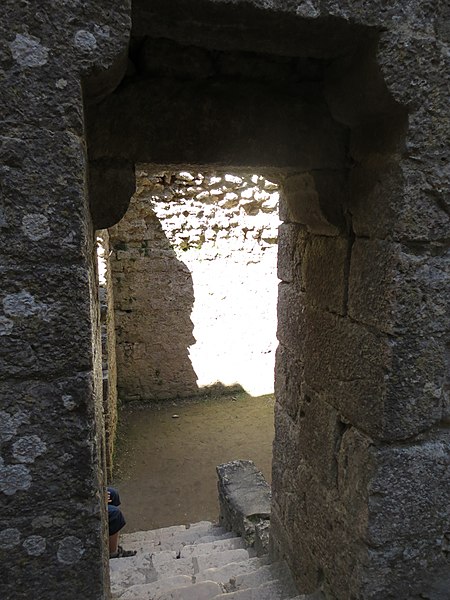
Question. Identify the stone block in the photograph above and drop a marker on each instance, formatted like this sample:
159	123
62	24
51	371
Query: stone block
148	591
405	295
408	493
319	432
291	328
230	570
299	131
397	290
383	500
42	333
325	271
291	248
287	545
244	498
396	200
288	380
208	547
315	199
346	363
111	185
217	560
415	385
205	590
390	388
34	224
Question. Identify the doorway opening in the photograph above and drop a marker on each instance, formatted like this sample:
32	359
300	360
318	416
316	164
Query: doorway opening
332	126
192	271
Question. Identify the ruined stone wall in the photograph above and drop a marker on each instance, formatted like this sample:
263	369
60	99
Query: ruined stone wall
362	367
108	335
376	524
195	286
52	535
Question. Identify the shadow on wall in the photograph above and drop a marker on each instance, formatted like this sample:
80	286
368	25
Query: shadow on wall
153	300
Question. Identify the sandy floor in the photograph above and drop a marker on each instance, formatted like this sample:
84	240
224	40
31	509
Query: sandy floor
165	465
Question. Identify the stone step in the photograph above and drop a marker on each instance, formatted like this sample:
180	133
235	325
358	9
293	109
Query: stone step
148	591
173	538
210	547
199	562
231	570
248	580
219	559
205	590
278	571
192	531
271	590
126	572
167	564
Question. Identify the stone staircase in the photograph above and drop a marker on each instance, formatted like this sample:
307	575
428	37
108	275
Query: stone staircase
199	562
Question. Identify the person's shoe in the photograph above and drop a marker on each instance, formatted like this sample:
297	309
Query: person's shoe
121	553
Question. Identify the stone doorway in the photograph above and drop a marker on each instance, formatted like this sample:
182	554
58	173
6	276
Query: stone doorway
192	270
349	101
320	113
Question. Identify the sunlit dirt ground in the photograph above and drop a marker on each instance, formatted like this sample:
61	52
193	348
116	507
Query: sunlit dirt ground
167	453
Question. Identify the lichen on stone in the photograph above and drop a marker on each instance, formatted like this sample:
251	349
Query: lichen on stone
34	545
14	478
26	449
70	550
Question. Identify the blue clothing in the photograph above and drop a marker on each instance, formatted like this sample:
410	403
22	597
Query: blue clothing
116	519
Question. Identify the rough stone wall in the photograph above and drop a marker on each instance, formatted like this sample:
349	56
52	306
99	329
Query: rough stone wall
387	526
362	448
52	539
108	335
194	270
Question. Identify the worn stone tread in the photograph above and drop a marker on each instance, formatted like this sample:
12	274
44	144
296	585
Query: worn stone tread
205	590
201	562
126	572
167	564
215	546
173	538
271	572
218	559
226	572
271	590
148	591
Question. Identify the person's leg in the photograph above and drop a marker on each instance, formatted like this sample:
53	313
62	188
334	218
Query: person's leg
113	544
116	522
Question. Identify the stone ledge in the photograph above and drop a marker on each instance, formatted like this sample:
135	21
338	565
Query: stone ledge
245	502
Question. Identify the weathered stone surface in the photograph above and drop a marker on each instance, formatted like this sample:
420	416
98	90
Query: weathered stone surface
244	498
388	199
325	272
392	287
291	248
398	183
350	373
291	318
289	379
316	199
269	25
49	351
111	185
164	57
298	130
